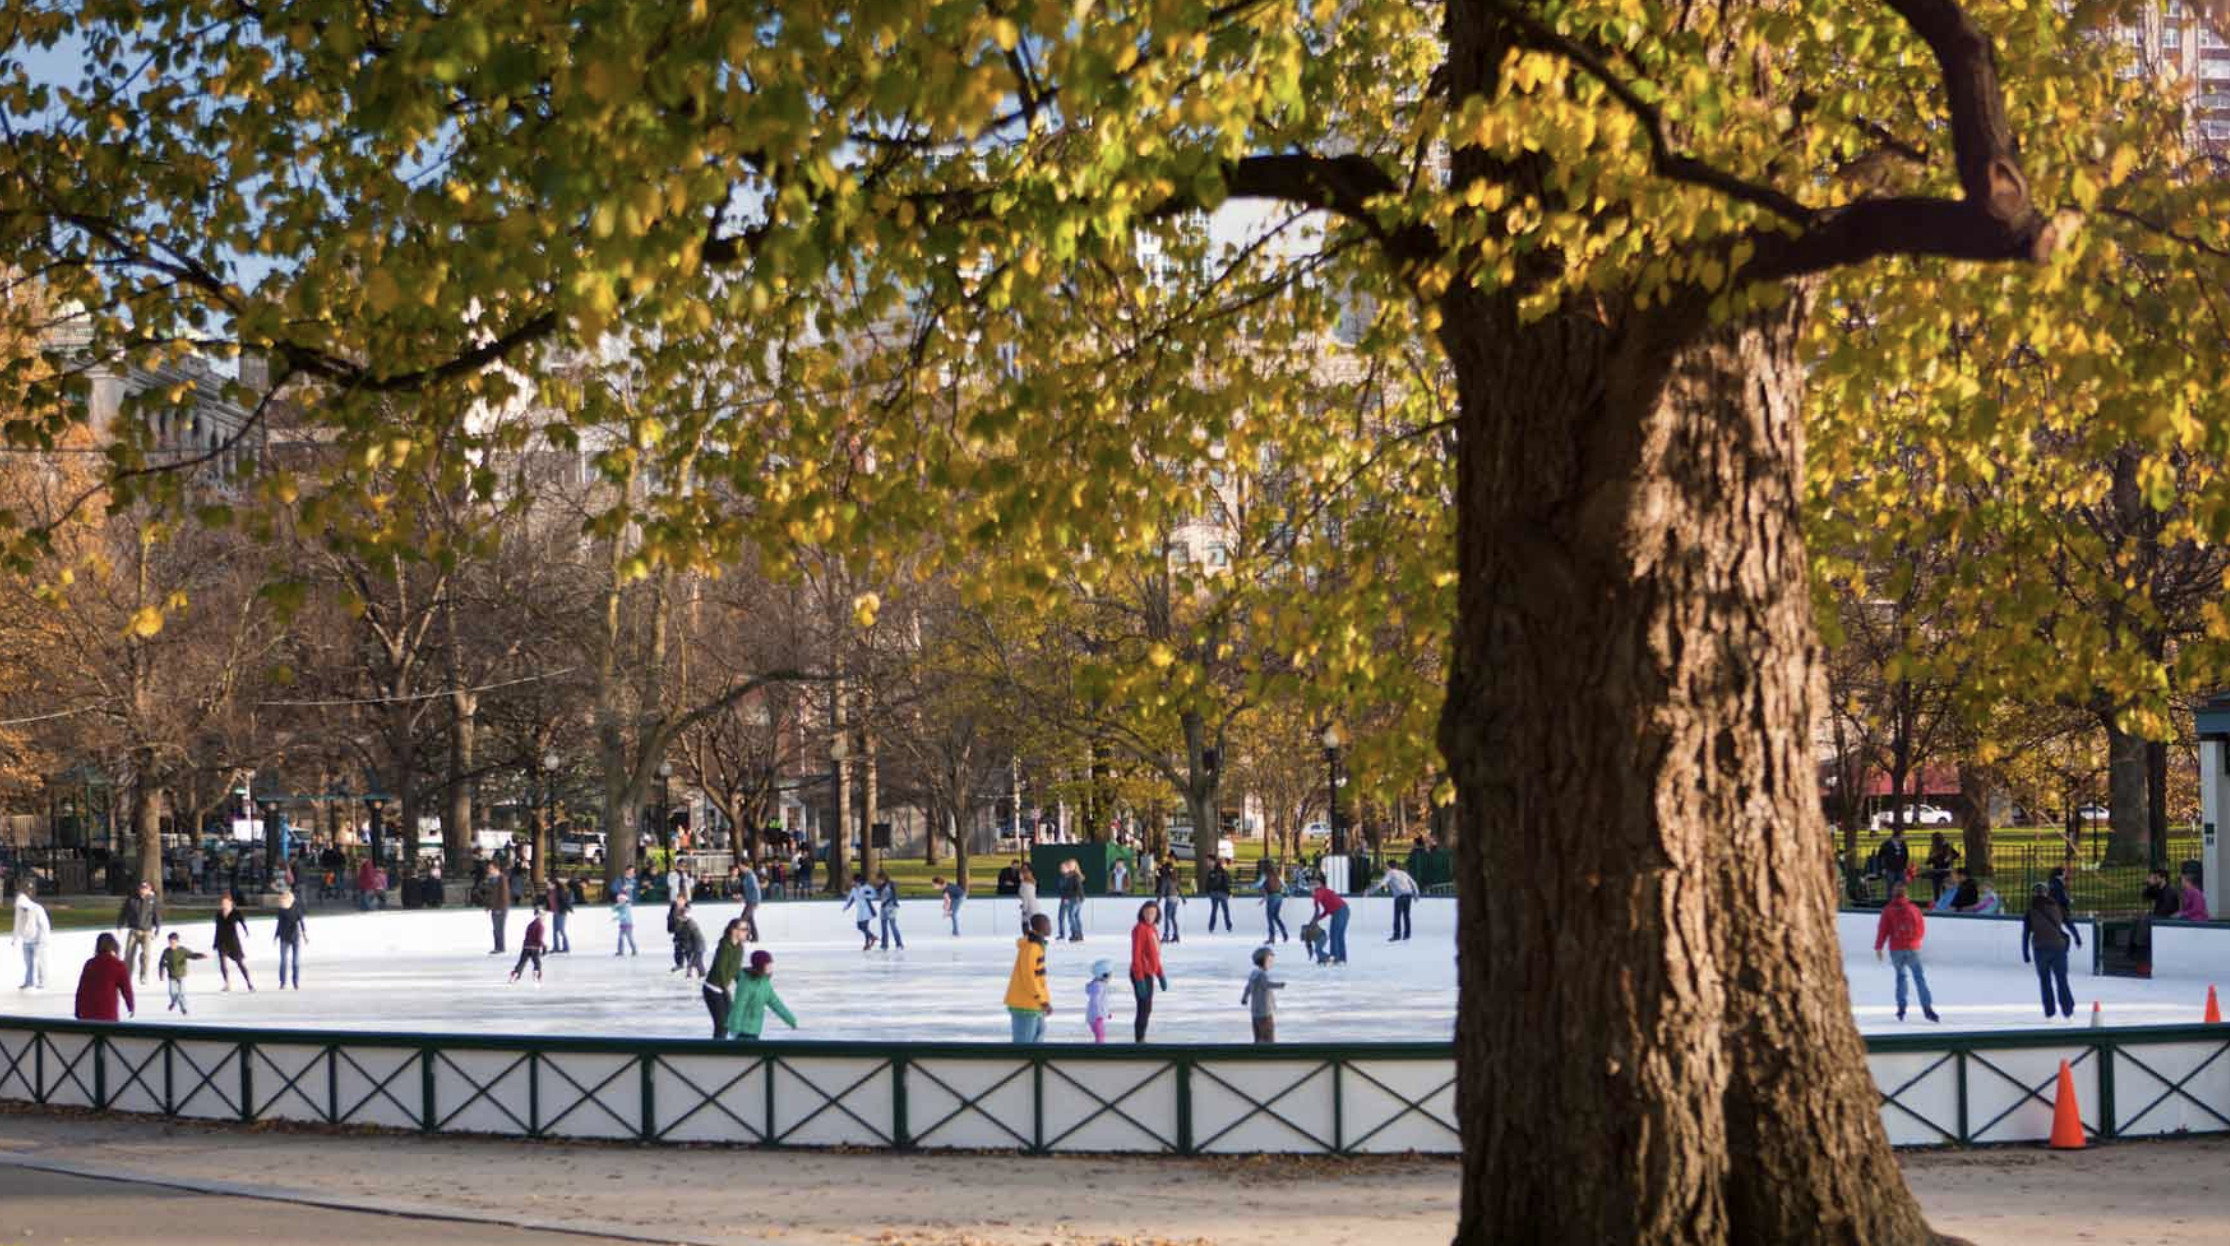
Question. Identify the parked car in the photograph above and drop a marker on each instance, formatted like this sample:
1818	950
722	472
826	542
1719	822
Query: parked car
1317	830
2094	813
1915	815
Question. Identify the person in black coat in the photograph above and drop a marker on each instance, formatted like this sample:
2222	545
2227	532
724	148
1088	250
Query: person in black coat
2046	929
689	941
1895	857
232	942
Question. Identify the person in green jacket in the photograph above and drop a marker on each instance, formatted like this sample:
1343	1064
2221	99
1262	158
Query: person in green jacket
720	980
755	997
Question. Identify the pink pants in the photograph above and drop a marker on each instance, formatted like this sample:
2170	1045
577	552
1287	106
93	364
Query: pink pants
1099	1029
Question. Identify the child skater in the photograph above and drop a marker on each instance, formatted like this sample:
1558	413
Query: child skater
530	947
171	965
755	998
863	896
1260	997
291	932
1095	999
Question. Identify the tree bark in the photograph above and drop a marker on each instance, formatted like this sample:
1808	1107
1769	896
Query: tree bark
2156	804
2131	840
1656	1043
147	818
1975	786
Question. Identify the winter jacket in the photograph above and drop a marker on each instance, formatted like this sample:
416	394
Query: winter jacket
1901	926
1145	953
1327	901
1029	893
726	964
863	896
751	889
888	895
292	922
172	963
2194	907
1026	989
1072	886
755	998
1219	881
2042	926
1893	857
147	917
1396	883
1165	885
31	924
1260	994
531	941
232	931
495	894
559	899
688	939
104	978
2166	900
1095	1000
2057	887
1009	881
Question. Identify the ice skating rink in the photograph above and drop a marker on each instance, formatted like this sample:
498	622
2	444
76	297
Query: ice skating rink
432	972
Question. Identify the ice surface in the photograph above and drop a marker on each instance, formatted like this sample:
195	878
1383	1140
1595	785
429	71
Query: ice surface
432	972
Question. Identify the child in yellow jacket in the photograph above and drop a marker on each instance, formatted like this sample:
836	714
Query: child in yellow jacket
1029	1000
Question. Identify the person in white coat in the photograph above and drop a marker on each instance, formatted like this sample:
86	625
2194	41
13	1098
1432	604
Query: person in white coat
31	931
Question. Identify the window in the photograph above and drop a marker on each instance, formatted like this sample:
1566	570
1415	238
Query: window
1218	556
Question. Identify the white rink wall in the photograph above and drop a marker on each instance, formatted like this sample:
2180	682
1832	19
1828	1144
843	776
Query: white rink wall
1964	940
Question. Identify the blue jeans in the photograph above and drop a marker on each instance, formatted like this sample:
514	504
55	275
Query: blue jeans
954	914
1219	902
1070	921
558	941
626	939
290	957
1271	902
1169	918
2051	970
1401	916
177	996
1910	961
1336	937
1029	1027
890	928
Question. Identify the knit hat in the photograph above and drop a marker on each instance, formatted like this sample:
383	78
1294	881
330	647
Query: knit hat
1103	969
760	960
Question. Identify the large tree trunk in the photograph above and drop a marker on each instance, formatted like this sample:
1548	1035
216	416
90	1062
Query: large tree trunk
2156	803
1656	1042
1975	788
2131	823
147	818
456	820
870	859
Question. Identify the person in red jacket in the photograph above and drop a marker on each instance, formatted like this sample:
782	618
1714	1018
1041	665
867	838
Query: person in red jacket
105	977
1902	928
1145	966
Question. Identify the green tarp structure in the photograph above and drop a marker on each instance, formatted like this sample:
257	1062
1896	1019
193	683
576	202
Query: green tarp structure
1096	859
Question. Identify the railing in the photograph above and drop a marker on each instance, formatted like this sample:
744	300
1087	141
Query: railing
1936	1089
1183	1100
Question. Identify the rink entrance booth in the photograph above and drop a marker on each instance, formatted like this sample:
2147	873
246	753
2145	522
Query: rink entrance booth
1335	1099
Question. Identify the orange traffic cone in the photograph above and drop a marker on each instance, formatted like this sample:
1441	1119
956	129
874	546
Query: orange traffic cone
2067	1115
2096	1020
2214	1007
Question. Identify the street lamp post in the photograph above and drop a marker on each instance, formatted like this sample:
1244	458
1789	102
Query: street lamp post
376	807
666	810
840	751
1332	742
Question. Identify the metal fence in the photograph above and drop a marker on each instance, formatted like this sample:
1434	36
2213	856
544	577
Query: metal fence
1936	1089
2096	886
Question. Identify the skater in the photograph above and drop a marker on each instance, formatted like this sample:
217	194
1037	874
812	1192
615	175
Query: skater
1145	967
530	948
755	998
886	892
141	919
495	896
720	980
232	944
1029	1002
753	893
863	896
1219	895
623	911
104	978
1260	997
1026	890
1941	858
1398	884
1273	899
1070	888
1903	928
689	944
1095	1000
291	934
1312	942
31	931
558	900
2049	933
171	965
1332	910
1170	896
953	893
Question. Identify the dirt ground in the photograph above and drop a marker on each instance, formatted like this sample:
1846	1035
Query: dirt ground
2160	1194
